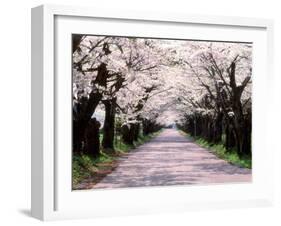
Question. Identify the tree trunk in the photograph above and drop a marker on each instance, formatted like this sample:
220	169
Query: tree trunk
127	131
137	131
229	137
92	143
238	124
82	113
247	135
146	125
109	123
217	130
76	40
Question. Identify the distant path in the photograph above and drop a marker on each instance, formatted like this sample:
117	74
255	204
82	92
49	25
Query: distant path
172	159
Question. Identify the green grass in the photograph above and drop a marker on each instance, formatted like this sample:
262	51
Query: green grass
220	151
123	148
84	166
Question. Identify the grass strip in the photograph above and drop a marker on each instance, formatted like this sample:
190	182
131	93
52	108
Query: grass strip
87	171
221	152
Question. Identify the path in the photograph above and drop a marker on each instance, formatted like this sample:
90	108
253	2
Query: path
172	159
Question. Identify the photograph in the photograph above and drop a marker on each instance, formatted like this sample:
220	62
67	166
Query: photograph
150	111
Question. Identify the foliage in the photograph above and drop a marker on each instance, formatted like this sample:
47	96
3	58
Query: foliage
154	75
203	87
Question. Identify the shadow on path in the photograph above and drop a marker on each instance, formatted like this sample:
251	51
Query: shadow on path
172	159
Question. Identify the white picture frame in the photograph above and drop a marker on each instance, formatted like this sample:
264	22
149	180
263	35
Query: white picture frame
52	197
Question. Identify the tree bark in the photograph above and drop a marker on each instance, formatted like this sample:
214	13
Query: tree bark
82	113
127	131
109	124
247	146
239	122
92	143
229	136
217	130
137	131
76	40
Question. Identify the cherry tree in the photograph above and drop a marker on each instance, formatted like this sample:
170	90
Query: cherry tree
101	67
94	76
205	87
223	71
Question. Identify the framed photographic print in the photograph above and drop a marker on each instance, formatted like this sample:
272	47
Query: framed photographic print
137	112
